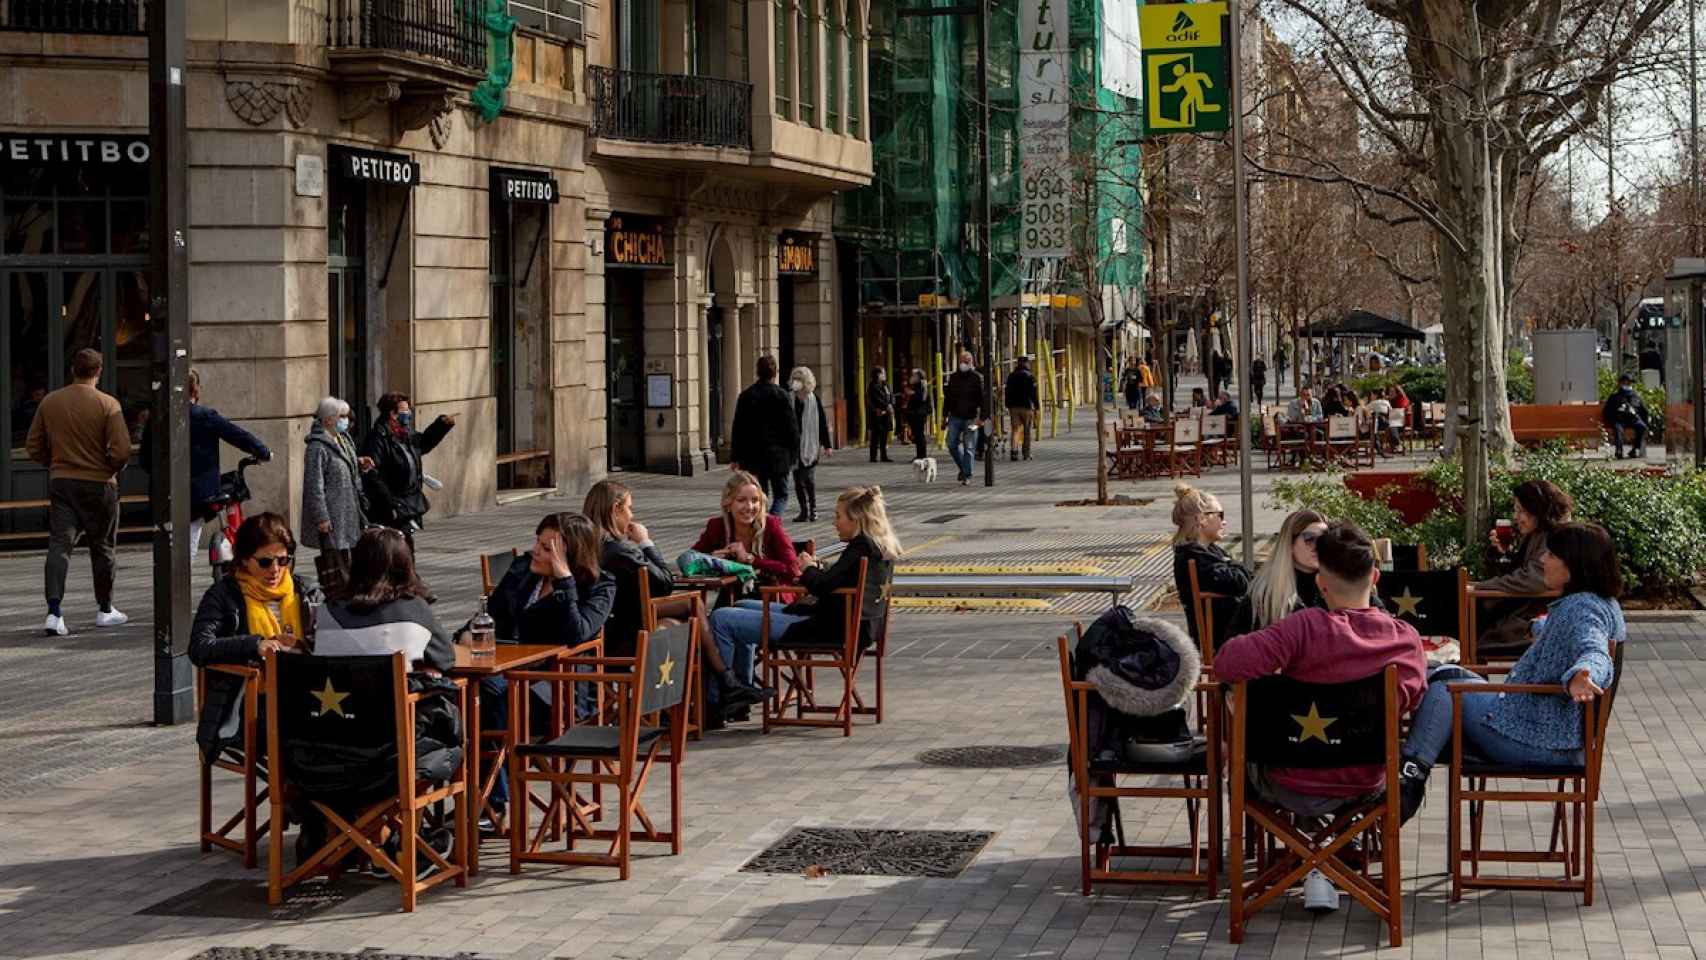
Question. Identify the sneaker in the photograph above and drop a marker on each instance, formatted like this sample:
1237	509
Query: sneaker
55	626
111	618
1412	789
1319	894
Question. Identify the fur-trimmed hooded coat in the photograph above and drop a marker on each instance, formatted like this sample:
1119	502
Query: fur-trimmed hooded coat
1144	671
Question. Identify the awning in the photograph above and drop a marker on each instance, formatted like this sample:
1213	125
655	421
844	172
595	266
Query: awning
1360	324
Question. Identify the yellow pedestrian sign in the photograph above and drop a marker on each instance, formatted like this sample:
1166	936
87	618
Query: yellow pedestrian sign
1186	87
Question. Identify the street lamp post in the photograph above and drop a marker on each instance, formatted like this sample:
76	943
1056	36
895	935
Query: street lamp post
168	254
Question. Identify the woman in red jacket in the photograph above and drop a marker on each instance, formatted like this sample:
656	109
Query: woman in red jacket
745	533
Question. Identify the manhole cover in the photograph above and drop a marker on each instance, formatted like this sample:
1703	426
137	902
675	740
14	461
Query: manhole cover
818	851
992	757
288	953
945	518
247	899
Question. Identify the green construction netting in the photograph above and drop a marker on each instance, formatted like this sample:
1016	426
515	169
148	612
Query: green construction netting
916	223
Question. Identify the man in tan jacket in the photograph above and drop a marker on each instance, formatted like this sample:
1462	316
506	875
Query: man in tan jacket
79	434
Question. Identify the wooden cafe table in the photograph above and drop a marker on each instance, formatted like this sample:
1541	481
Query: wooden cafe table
509	656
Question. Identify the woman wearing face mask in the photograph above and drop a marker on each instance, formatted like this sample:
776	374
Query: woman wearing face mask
879	406
814	440
332	515
918	409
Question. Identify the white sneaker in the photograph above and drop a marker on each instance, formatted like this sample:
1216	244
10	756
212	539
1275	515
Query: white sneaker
55	626
1319	894
111	618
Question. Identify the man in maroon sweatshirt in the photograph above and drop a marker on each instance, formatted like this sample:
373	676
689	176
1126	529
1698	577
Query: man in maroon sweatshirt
1350	640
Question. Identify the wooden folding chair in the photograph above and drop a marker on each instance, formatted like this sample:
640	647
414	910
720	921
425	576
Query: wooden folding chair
1573	800
245	761
679	606
790	668
1432	601
1200	788
358	704
1474	597
621	755
493	566
1184	453
1409	557
1343	439
1277	721
1217	448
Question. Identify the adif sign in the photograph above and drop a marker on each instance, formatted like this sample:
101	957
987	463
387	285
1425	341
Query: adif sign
1044	142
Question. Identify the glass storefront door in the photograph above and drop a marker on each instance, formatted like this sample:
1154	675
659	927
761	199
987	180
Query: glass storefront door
625	363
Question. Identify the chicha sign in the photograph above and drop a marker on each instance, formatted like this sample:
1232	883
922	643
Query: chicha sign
631	241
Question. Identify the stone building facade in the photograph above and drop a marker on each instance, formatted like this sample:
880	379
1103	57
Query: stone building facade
374	210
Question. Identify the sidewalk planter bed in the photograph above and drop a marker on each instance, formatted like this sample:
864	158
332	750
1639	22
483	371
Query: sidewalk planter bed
1658	522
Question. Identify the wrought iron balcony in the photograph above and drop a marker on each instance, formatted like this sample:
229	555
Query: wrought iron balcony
451	31
112	17
671	108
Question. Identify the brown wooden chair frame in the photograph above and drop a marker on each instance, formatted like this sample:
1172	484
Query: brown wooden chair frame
400	812
254	792
1573	800
1201	792
790	670
487	582
1300	853
680	605
1472	598
628	773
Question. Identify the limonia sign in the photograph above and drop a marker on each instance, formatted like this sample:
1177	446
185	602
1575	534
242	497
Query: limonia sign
1186	87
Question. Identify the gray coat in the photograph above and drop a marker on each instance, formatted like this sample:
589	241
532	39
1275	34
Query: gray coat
331	490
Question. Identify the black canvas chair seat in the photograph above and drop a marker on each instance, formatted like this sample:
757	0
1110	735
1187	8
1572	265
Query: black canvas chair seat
1474	766
588	741
1196	765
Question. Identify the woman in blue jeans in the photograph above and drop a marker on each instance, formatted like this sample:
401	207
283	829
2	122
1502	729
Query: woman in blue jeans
1572	646
862	522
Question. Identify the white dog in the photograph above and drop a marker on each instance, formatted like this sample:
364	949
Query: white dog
925	467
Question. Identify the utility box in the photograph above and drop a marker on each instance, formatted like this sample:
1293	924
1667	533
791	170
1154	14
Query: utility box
1566	366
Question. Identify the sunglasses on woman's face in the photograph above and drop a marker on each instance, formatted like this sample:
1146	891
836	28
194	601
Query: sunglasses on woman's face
1309	536
1215	513
265	563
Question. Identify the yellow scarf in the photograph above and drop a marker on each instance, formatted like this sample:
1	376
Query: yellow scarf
256	596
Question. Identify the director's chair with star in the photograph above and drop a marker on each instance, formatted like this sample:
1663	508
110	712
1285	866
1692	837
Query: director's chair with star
1432	601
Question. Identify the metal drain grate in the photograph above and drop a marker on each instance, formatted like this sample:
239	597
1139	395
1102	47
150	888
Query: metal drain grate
247	899
817	851
945	518
291	953
988	757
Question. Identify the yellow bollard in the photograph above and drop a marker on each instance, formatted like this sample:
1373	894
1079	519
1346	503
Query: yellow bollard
941	411
1072	394
859	388
1054	390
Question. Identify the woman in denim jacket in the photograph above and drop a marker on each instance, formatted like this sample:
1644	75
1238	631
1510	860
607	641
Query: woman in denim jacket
1572	646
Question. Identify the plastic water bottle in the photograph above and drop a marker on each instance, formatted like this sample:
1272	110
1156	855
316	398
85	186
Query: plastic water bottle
482	633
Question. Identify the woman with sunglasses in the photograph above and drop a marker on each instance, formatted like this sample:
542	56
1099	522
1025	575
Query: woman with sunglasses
260	606
1286	583
1201	520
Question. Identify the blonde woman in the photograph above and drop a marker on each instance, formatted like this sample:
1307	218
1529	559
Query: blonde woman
1201	520
745	533
862	522
1286	583
814	440
627	552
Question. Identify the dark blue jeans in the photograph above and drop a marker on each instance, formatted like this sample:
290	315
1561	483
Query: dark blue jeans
1430	727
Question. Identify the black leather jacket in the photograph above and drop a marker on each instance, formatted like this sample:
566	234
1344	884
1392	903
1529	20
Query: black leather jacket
220	634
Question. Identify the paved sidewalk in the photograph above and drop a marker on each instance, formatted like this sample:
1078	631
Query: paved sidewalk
97	812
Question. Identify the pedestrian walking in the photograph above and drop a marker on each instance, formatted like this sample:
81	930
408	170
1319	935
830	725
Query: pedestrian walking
1131	385
207	430
332	508
1280	362
918	408
964	403
765	437
79	434
879	406
1258	378
1023	403
394	484
814	440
